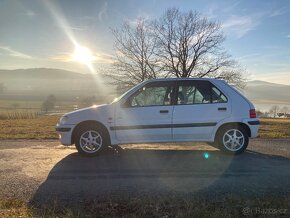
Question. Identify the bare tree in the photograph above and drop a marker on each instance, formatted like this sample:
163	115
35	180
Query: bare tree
179	44
189	45
284	110
135	54
260	113
49	103
274	110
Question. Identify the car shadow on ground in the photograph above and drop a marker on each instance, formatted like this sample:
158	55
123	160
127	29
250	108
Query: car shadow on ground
187	173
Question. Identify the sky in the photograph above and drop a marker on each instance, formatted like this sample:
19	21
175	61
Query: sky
43	33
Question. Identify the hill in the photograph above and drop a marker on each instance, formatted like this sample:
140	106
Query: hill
40	73
261	92
27	85
40	82
47	80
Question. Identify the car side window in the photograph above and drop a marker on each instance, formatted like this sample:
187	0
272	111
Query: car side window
152	95
199	92
218	96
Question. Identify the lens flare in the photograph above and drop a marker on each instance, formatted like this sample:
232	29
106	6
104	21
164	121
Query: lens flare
206	155
81	54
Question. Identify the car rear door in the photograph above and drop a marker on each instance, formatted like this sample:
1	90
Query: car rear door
199	106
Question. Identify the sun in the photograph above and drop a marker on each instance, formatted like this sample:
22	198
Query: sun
82	55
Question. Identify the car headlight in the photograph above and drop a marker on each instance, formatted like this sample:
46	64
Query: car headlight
63	120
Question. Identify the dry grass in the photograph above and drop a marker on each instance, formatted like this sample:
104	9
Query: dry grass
148	206
43	127
14	208
18	114
275	128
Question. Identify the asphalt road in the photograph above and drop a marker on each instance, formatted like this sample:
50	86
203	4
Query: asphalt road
42	171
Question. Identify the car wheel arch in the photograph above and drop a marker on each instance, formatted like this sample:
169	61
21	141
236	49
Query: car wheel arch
233	124
86	123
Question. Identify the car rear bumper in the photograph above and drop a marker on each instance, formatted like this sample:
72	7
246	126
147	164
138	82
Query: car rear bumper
65	133
254	125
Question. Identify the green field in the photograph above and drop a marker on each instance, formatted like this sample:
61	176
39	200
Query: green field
43	127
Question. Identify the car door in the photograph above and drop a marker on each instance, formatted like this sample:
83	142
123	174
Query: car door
146	115
199	106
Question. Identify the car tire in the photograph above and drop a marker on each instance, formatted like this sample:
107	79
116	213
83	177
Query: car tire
91	140
233	140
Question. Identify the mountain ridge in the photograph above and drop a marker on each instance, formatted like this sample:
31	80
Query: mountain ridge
50	79
40	73
62	72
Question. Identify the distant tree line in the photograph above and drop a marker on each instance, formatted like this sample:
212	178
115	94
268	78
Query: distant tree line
275	111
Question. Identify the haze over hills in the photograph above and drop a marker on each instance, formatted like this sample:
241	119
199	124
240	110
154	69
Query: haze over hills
37	83
43	81
265	93
40	73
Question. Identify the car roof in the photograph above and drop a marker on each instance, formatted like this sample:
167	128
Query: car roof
183	79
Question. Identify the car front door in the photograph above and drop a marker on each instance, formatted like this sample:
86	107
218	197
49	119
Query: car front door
199	106
146	115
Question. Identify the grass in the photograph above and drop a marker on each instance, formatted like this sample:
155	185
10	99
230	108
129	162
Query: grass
18	114
275	128
43	127
149	206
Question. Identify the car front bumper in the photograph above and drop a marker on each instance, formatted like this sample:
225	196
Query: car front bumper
65	133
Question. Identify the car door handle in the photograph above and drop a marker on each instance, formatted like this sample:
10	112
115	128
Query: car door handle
164	111
222	108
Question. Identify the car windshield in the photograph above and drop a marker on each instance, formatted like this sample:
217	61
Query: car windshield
125	93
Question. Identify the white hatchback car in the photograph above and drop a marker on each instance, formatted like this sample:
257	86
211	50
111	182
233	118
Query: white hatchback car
165	110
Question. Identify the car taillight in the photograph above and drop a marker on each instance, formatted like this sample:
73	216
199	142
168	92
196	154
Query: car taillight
253	113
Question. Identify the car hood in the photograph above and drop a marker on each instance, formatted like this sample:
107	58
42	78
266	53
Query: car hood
96	112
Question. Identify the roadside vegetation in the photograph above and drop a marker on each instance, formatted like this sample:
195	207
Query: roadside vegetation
228	206
38	127
29	125
275	128
18	114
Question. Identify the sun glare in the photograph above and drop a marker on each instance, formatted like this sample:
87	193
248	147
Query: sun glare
82	55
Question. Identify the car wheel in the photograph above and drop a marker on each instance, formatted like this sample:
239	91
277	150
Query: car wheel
233	140
91	140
